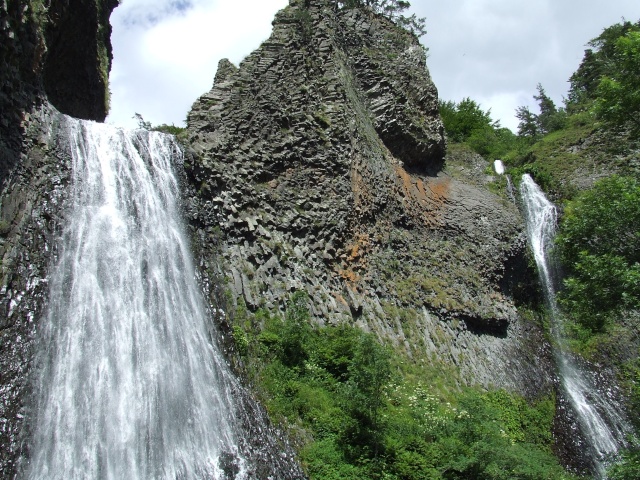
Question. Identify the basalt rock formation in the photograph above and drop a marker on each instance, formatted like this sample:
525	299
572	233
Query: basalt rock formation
317	165
57	51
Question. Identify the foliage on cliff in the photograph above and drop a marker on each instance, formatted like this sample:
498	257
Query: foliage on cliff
466	122
599	242
618	95
393	10
567	148
599	61
360	413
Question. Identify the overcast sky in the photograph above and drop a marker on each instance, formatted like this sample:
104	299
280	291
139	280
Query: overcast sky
494	51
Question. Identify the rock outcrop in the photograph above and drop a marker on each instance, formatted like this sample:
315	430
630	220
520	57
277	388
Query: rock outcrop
57	51
318	166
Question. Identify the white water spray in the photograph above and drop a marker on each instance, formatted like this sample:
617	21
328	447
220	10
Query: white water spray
130	384
602	422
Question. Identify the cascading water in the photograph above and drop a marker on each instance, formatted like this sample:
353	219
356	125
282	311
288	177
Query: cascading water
130	383
603	425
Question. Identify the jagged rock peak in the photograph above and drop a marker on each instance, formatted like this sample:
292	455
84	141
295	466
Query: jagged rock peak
317	165
364	52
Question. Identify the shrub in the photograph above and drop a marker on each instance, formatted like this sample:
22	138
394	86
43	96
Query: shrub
599	244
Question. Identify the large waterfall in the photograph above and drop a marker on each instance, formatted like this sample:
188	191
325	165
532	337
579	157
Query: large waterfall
129	382
602	423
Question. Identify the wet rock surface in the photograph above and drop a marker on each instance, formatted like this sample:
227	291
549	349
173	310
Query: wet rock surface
31	212
317	165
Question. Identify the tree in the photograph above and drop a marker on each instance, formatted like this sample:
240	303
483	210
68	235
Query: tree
466	122
550	118
618	93
142	123
393	10
528	126
599	244
369	374
295	331
596	63
462	119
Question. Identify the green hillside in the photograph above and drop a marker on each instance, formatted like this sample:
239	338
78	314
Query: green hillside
586	156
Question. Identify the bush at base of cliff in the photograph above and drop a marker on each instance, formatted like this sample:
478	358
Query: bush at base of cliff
356	412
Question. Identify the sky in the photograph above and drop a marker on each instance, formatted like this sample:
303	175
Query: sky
494	51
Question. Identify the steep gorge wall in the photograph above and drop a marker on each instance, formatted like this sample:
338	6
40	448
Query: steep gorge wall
51	52
318	166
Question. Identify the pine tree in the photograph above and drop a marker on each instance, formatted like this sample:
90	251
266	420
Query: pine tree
550	118
528	126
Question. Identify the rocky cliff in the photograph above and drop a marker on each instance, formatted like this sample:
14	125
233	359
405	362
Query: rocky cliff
56	52
319	165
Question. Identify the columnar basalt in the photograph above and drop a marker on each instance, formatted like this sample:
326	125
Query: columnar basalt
318	165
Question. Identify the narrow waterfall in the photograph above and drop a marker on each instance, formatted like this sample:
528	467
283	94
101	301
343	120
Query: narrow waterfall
129	383
601	420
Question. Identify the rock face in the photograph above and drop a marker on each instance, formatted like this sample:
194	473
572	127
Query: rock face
78	58
31	212
318	165
60	51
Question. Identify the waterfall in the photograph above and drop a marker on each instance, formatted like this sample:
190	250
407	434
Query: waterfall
129	382
601	420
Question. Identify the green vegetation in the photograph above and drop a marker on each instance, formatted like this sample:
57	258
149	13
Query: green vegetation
393	10
598	62
618	94
466	122
357	410
628	468
549	120
599	243
164	128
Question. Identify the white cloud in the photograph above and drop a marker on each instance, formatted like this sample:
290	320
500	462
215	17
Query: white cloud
166	52
494	51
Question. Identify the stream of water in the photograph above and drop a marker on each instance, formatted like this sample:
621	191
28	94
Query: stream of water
602	422
130	382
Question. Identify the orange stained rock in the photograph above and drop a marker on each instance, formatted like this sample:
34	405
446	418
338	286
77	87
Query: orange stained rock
423	197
